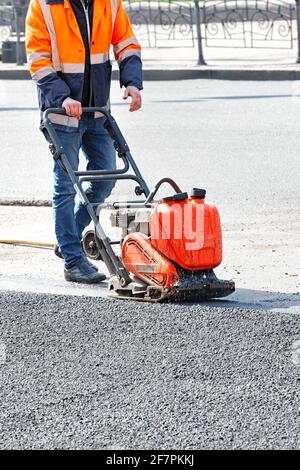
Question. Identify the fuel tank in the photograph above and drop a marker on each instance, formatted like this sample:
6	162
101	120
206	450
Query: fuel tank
187	230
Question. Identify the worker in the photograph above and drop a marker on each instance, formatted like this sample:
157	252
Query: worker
67	46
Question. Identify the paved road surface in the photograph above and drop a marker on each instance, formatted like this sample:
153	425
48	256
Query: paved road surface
237	139
95	373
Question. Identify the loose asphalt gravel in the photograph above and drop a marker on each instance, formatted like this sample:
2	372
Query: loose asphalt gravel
104	374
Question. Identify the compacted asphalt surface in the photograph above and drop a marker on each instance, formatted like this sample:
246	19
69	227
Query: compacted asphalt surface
95	373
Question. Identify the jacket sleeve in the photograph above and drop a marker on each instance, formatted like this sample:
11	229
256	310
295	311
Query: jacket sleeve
51	88
127	50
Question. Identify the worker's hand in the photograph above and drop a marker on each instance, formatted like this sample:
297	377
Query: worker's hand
72	107
136	98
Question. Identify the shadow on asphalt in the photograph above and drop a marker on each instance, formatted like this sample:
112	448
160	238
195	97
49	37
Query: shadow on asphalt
242	97
18	109
191	100
21	108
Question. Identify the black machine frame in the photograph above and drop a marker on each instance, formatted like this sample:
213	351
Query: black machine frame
108	255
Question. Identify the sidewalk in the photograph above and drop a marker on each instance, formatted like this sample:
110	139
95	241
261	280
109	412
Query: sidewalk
180	63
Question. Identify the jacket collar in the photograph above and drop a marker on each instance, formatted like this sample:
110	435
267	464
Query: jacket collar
72	19
99	8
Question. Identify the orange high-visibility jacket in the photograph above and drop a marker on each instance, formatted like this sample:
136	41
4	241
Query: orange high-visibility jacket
56	52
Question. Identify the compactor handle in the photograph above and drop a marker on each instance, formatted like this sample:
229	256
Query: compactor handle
110	125
84	110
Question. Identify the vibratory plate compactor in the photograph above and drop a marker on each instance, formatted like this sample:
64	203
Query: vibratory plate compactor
168	248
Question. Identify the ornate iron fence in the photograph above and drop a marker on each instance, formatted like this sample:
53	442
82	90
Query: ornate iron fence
6	15
249	23
6	20
157	22
215	23
227	23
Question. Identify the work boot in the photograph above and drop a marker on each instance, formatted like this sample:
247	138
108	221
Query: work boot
91	268
82	272
58	253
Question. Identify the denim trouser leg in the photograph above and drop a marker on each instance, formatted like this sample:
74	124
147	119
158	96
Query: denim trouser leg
70	218
99	151
64	199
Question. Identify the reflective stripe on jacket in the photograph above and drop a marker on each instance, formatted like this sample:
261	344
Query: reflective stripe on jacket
56	52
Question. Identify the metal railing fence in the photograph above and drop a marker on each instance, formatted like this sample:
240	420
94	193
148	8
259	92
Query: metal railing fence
190	23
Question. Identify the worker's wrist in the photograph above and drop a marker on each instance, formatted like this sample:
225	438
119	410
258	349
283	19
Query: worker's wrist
139	86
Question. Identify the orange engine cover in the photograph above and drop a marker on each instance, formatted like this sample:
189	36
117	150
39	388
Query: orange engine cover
187	232
141	259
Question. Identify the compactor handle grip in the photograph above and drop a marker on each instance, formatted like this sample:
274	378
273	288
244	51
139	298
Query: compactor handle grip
110	125
84	110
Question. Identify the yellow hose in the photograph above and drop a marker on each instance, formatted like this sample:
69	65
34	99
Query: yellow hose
28	243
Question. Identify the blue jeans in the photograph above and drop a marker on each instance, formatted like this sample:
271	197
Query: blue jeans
71	218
